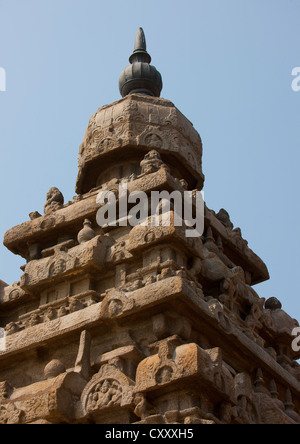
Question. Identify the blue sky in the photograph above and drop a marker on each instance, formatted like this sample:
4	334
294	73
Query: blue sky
226	64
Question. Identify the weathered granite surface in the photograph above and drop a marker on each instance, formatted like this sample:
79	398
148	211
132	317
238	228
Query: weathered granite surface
141	324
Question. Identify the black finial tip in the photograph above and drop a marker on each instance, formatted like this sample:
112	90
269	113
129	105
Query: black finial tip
140	40
140	76
140	52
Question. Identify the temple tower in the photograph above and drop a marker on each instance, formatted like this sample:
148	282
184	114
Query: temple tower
121	324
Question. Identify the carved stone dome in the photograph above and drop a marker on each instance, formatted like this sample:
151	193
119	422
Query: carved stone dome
140	77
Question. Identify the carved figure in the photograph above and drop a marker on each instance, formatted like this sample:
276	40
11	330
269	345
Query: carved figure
105	394
54	200
151	163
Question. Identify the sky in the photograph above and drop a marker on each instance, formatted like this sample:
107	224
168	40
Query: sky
226	64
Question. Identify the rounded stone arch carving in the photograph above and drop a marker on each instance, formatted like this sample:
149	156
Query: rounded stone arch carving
14	294
57	266
153	138
103	394
115	303
108	388
105	143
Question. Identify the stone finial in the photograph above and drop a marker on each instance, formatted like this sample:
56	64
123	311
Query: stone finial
273	304
54	368
140	77
290	407
87	233
140	48
209	242
275	395
259	382
273	389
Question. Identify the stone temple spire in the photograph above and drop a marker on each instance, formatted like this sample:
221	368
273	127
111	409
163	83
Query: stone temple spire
140	77
137	323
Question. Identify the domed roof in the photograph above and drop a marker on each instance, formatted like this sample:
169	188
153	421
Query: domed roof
140	77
